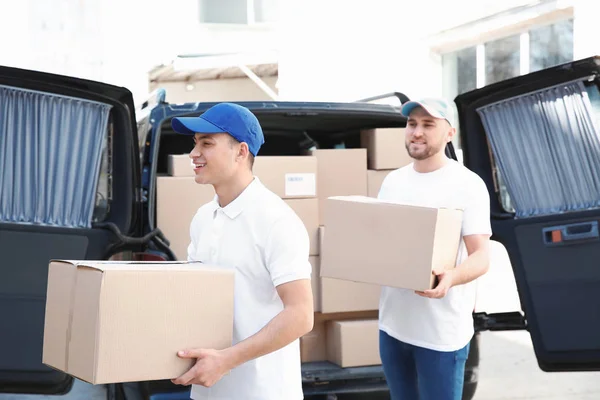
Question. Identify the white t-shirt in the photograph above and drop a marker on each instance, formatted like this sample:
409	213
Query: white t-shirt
267	244
439	324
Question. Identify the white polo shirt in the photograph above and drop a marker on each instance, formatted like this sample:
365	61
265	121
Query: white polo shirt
267	244
444	324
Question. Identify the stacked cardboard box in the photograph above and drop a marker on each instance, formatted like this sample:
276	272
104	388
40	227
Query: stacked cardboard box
386	152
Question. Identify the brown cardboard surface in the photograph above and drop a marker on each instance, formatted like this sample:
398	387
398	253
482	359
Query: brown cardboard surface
315	282
385	148
180	165
339	296
110	322
313	345
341	172
177	201
353	343
374	181
288	176
308	211
390	244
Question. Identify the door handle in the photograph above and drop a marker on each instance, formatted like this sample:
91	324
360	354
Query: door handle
563	234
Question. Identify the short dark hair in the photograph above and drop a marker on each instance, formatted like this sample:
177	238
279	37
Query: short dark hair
234	141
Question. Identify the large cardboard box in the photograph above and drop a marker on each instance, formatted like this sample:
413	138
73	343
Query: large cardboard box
110	322
353	343
339	296
386	148
177	201
290	177
374	181
341	172
308	211
385	243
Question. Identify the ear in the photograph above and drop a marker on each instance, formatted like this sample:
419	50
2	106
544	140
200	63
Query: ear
243	151
451	134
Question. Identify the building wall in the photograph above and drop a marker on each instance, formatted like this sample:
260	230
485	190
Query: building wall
238	89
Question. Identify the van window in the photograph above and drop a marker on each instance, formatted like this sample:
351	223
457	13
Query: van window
55	159
546	149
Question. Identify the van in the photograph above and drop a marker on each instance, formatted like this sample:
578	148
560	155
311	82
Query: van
78	180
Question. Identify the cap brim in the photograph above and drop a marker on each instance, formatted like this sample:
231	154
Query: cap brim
409	106
193	125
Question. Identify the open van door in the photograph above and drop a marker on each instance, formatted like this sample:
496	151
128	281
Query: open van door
69	188
535	141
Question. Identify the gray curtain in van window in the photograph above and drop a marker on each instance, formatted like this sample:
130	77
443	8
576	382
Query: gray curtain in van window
50	153
547	148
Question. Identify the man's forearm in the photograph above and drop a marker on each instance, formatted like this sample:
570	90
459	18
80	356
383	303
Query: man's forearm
287	326
472	268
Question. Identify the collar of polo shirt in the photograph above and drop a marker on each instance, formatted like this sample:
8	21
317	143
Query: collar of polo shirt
235	208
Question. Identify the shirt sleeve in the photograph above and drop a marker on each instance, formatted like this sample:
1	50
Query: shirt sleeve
476	215
287	251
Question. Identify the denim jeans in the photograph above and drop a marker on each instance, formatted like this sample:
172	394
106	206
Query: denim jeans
416	373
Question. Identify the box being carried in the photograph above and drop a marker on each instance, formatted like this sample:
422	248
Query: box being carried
375	241
110	322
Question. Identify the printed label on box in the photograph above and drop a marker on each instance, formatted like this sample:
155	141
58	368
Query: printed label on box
300	184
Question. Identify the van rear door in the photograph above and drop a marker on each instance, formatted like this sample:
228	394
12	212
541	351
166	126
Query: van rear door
69	169
535	140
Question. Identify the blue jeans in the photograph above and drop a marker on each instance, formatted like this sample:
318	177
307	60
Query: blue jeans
416	373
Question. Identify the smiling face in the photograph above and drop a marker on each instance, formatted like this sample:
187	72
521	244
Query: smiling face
217	158
426	136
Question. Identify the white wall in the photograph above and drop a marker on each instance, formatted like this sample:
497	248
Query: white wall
341	50
115	41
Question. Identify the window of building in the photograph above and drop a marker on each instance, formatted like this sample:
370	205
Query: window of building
241	12
486	63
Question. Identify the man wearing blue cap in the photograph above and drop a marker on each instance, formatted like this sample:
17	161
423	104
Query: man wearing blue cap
425	336
249	229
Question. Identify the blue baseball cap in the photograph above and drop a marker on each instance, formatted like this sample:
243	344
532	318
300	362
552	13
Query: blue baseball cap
229	118
437	108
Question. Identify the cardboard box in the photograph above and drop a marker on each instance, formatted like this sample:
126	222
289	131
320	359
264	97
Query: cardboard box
177	201
180	165
340	296
374	181
110	322
341	172
308	211
386	148
313	345
385	243
290	177
353	343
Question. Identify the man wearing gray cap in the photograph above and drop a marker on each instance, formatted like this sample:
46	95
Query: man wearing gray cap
425	336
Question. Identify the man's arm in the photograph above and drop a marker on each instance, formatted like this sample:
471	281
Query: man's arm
295	320
476	264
